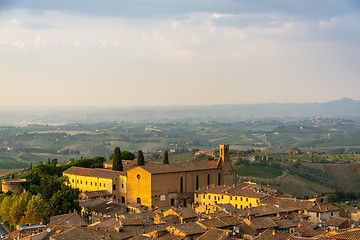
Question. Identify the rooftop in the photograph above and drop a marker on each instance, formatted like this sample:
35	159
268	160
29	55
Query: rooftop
179	167
94	172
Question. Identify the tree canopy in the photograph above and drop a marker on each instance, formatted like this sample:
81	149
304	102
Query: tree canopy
140	159
166	157
117	161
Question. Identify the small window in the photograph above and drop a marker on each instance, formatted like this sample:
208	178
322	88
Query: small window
204	196
230	197
138	176
222	196
247	199
236	205
114	187
85	182
80	181
95	184
104	185
197	195
73	181
241	199
235	198
77	181
122	185
209	196
100	184
91	183
214	197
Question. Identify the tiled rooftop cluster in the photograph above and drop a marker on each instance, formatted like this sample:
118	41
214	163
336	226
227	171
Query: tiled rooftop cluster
279	218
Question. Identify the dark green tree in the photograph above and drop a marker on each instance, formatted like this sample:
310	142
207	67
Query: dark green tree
63	201
126	155
166	157
54	161
117	162
140	159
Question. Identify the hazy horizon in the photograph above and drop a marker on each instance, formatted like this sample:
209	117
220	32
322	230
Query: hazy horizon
178	53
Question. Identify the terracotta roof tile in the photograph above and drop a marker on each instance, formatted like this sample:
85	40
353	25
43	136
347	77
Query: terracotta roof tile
336	221
305	231
323	207
94	172
70	219
288	202
189	228
220	222
215	234
100	193
179	167
353	234
238	190
271	234
263	223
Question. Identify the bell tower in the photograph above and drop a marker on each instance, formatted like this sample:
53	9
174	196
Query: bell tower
228	172
224	152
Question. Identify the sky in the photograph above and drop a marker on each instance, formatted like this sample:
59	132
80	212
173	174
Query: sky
189	52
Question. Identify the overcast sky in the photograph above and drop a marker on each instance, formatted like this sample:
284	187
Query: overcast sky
188	52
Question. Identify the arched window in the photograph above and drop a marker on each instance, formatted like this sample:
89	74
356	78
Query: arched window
138	200
208	179
197	182
219	179
123	199
181	184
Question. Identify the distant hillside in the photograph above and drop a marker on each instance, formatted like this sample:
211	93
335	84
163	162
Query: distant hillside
345	108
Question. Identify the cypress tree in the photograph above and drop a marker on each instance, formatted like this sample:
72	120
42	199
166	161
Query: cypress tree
117	162
140	159
166	157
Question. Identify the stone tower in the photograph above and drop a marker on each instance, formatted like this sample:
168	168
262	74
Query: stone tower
228	172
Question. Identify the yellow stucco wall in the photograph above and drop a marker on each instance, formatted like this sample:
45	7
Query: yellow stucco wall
138	186
85	183
237	201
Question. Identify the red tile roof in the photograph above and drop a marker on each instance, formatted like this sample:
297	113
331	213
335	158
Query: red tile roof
94	172
179	167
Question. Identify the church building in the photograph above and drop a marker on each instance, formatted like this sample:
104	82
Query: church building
161	185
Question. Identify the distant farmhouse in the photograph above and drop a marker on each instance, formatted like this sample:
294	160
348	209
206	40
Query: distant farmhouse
156	184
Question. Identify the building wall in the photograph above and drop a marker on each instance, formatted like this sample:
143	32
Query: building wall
139	186
163	193
355	216
15	186
315	216
85	183
209	199
121	188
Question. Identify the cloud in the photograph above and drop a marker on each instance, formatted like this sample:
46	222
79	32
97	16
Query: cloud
35	25
221	15
328	24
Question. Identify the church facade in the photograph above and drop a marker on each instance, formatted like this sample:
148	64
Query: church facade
161	185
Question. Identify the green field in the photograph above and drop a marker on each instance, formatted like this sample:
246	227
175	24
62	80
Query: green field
258	171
